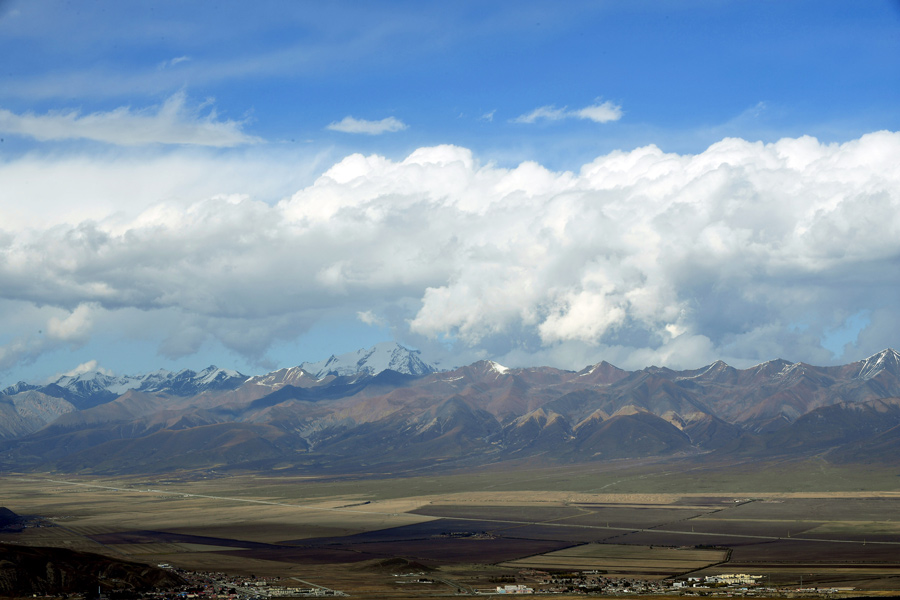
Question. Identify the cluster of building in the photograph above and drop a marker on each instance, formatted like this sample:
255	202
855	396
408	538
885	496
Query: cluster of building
723	579
220	586
725	584
597	582
592	582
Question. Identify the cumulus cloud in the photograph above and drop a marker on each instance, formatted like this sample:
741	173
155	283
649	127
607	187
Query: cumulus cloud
39	191
745	252
172	122
599	113
351	125
74	327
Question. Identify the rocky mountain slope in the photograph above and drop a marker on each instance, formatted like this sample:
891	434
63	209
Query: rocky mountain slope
349	416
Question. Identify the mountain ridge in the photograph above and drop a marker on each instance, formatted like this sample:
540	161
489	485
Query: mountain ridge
475	413
91	388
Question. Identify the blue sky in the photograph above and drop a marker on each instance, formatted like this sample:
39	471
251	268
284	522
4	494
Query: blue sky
642	182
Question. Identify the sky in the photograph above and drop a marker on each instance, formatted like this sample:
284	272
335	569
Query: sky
538	183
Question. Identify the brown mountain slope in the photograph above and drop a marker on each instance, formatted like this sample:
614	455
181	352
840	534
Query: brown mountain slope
232	444
632	433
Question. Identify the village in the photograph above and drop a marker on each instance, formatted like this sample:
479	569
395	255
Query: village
221	586
595	583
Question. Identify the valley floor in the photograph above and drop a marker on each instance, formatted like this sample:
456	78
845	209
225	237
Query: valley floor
431	535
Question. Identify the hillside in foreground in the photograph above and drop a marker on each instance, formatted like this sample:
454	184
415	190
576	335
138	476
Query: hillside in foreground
27	571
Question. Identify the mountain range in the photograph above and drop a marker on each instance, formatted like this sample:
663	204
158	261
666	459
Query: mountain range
380	408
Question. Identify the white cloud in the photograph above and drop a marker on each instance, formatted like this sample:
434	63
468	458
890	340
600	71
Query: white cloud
582	315
351	125
21	350
174	61
549	113
90	366
74	327
39	328
599	113
746	251
43	191
172	122
370	318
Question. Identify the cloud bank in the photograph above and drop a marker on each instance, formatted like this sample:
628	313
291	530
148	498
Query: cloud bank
746	252
173	122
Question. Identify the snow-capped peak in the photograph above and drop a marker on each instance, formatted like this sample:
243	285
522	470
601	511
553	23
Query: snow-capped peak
371	361
95	384
290	375
17	387
91	382
707	371
875	364
498	367
212	374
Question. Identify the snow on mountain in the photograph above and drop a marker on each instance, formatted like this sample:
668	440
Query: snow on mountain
885	360
500	369
89	384
772	368
483	409
380	357
92	388
708	371
94	382
295	376
17	388
187	382
213	377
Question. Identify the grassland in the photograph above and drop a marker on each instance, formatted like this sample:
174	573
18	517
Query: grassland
840	527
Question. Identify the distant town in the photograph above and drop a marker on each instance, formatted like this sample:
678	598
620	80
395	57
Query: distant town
221	586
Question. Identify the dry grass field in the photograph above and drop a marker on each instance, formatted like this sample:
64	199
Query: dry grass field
471	529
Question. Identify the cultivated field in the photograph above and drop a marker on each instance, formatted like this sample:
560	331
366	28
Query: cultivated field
618	560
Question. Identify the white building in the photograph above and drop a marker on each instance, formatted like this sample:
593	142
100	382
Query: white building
514	589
